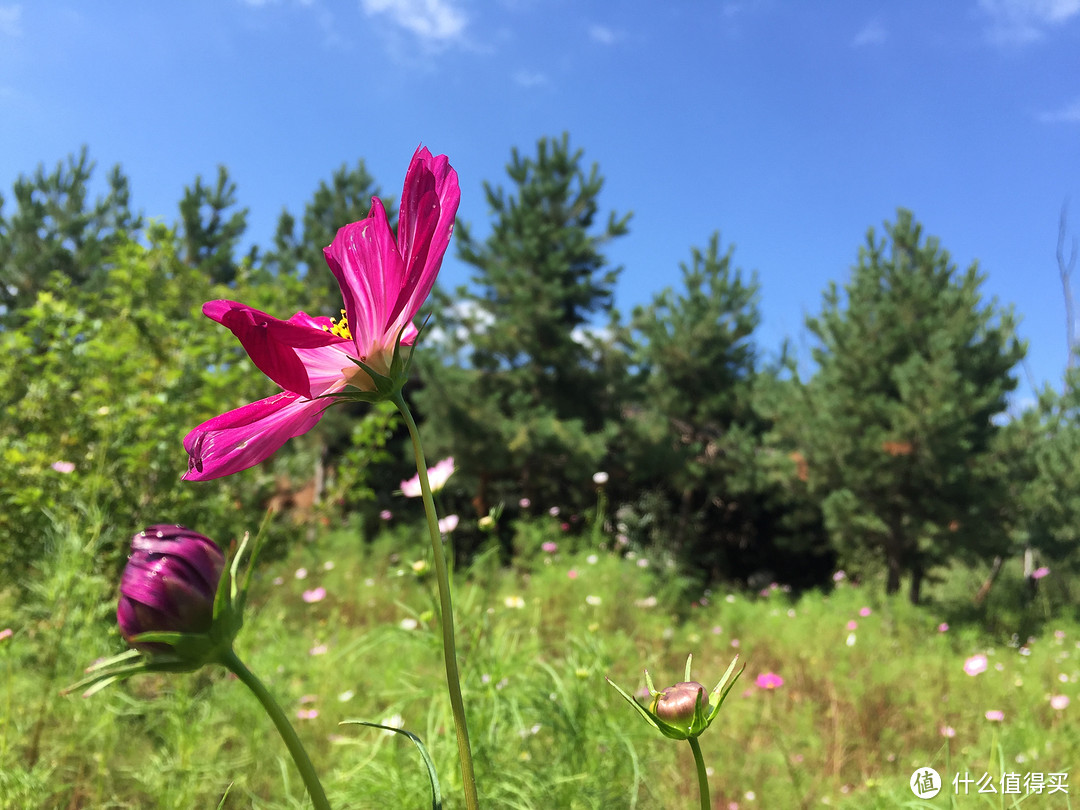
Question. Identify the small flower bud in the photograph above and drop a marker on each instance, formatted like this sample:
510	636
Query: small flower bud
169	584
677	704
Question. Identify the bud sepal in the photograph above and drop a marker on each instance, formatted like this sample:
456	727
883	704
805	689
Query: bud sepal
683	711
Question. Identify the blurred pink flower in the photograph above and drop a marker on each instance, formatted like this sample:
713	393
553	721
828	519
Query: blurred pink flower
995	715
554	511
852	625
943	628
839	576
1059	702
301	573
385	514
572	573
948	731
437	478
524	503
769	680
6	633
307	714
564	526
549	547
384	281
1039	573
314	595
63	467
865	611
975	665
448	524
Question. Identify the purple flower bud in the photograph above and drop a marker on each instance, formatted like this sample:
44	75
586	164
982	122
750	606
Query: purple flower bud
677	704
169	583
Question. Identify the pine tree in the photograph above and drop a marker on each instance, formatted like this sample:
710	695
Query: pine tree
209	233
57	234
523	397
896	425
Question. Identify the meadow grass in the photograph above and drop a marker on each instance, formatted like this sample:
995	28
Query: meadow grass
871	688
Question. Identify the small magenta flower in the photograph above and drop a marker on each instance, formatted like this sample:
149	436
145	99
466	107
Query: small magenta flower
1039	573
769	680
995	715
384	281
684	710
169	585
549	547
314	595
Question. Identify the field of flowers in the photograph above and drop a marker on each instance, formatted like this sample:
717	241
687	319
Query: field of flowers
844	695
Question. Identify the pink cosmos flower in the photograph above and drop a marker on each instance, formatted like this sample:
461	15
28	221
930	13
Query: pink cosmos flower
383	284
769	680
995	715
1039	573
975	665
865	611
448	524
1059	702
943	627
314	595
63	467
437	478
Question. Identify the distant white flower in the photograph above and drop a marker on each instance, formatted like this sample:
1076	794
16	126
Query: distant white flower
593	600
394	721
600	478
514	602
408	623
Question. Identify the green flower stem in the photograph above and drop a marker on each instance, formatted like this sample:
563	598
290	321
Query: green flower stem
230	660
453	678
702	776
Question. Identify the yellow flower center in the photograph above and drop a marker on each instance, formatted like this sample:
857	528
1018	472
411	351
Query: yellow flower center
339	327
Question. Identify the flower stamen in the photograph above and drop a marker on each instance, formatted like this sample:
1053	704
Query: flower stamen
339	327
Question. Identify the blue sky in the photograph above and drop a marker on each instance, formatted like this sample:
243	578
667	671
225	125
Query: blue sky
790	127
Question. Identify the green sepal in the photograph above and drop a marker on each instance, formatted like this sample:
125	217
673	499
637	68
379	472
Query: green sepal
387	386
433	777
705	711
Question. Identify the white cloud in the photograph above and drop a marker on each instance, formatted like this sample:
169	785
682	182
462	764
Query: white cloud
603	34
529	78
1019	22
873	33
1069	113
431	20
9	21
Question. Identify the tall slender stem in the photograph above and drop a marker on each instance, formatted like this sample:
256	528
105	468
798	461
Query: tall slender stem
446	608
702	776
303	763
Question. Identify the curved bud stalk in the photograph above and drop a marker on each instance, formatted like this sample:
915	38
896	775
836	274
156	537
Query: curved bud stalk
181	607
